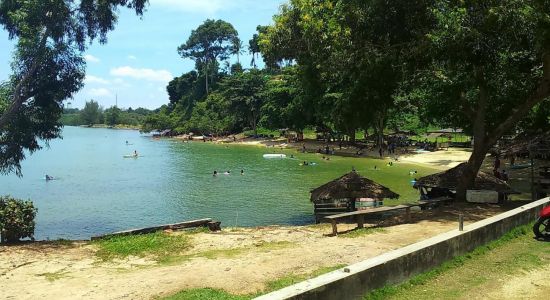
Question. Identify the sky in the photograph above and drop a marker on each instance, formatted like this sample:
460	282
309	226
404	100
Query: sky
140	57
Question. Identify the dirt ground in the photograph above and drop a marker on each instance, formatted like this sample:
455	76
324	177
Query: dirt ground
51	271
529	285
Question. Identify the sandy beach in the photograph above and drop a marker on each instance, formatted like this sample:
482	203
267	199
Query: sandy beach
47	270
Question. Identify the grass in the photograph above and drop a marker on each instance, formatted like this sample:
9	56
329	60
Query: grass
477	271
160	246
214	294
262	246
362	232
293	279
51	277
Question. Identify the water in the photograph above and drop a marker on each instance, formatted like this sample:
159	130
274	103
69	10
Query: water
98	191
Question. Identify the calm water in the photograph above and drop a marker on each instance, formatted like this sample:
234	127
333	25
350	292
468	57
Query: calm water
98	191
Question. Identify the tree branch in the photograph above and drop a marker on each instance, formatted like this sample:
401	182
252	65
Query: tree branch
18	98
542	92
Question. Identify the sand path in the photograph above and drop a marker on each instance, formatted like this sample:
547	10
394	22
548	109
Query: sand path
48	271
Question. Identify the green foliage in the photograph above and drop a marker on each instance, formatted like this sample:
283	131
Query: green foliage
16	219
92	113
112	116
212	41
47	67
157	245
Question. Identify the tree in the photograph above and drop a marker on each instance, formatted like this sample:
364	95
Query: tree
210	42
47	66
350	54
491	65
253	44
237	48
91	114
285	106
245	93
112	116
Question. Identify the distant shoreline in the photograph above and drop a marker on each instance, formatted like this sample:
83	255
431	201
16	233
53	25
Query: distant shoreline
103	126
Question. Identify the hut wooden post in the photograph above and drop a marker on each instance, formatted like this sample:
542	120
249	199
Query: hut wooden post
360	221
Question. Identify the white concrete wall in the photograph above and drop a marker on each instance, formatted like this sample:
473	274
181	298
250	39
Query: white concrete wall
355	281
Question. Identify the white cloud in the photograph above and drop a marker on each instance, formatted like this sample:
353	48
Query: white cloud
91	58
94	79
145	74
131	57
193	6
101	92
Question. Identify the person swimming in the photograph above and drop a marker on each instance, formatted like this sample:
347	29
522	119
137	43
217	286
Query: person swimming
135	153
48	177
227	172
242	172
215	173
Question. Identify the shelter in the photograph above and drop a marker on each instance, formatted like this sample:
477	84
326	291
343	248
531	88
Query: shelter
444	184
532	147
348	193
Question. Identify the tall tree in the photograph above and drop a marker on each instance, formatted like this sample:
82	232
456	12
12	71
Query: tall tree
491	66
351	55
47	66
254	46
210	42
91	113
245	93
112	115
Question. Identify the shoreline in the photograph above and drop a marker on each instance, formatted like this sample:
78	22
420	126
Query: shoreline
440	159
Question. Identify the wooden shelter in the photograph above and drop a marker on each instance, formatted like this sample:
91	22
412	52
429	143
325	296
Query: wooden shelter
444	184
348	193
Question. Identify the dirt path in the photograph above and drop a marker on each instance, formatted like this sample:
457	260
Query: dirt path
529	285
49	271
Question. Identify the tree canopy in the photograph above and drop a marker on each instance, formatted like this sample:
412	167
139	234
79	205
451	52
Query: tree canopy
212	41
47	66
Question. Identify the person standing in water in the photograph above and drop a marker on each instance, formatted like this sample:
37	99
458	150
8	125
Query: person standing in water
242	172
215	173
135	153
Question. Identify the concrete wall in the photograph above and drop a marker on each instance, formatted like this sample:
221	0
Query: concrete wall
355	281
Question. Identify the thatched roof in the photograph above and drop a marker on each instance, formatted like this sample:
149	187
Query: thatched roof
352	185
450	178
537	144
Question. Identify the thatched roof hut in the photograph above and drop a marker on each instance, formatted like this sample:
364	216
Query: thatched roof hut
450	179
351	186
538	145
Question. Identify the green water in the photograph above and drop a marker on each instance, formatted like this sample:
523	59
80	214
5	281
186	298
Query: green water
98	191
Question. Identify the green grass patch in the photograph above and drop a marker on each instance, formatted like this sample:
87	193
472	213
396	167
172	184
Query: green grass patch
293	279
53	276
205	294
158	245
261	246
461	277
215	294
362	232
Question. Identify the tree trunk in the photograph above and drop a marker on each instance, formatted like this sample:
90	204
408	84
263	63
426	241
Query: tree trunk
206	76
379	128
481	142
352	136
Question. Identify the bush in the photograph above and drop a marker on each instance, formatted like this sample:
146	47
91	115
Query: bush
16	219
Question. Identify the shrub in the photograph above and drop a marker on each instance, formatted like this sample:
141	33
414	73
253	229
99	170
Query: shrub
16	219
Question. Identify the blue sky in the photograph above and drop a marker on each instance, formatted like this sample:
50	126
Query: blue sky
140	56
